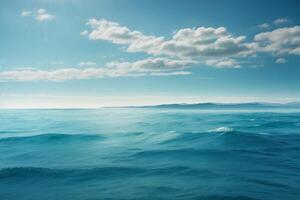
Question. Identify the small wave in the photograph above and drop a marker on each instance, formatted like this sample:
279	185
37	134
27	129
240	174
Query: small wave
183	154
48	173
219	197
278	124
36	173
52	137
268	183
222	129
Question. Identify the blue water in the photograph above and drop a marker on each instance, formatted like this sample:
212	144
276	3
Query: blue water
149	154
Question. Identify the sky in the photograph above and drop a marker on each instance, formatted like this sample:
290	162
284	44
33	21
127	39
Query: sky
94	53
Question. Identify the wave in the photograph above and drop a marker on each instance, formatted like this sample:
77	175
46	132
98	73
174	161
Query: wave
234	139
36	173
52	137
193	153
26	173
181	153
222	197
222	129
278	124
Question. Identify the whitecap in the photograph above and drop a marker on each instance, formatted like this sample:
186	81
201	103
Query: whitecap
222	129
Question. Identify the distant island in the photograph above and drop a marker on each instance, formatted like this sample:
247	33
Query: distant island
221	106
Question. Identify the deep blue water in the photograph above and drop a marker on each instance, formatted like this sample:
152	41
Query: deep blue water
149	154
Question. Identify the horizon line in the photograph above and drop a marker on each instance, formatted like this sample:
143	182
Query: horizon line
141	106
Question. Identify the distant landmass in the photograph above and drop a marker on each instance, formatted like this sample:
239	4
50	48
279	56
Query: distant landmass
221	106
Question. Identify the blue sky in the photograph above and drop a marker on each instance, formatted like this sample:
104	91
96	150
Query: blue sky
62	53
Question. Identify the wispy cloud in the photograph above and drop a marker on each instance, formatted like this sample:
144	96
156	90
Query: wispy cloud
57	62
26	13
39	15
276	22
147	67
280	61
281	21
223	63
264	26
87	64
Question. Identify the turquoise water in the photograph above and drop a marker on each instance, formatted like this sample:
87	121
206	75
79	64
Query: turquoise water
149	154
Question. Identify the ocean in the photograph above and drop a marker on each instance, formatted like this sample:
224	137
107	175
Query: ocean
148	153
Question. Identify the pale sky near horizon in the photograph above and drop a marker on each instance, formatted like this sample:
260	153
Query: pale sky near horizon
63	53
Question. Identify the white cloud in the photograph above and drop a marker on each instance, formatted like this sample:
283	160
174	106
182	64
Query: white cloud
223	63
40	15
53	75
170	73
147	67
43	15
87	63
281	21
264	26
280	41
151	65
280	61
26	13
185	43
213	46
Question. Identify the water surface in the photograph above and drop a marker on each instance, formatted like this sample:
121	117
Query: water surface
149	154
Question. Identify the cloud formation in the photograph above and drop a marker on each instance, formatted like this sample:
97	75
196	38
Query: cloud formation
214	47
282	41
39	15
223	63
147	67
151	65
276	22
185	43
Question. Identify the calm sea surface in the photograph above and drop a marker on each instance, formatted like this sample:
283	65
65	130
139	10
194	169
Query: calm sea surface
149	154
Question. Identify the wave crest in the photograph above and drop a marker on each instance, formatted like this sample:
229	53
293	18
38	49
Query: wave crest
222	129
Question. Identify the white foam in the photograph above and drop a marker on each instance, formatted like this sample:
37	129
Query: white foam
222	129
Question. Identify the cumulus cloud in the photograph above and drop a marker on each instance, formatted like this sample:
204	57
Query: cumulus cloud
40	15
281	41
147	67
280	61
185	43
215	47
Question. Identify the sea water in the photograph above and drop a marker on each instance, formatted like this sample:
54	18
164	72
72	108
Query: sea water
136	153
